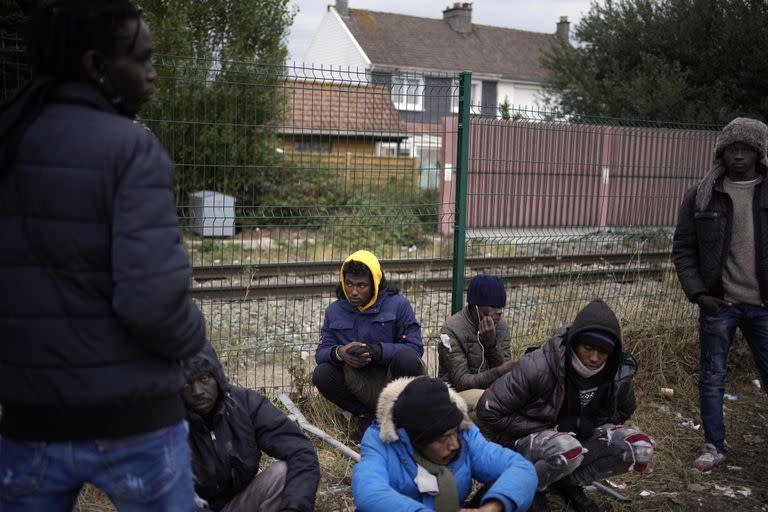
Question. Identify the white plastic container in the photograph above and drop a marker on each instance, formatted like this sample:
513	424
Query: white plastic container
212	214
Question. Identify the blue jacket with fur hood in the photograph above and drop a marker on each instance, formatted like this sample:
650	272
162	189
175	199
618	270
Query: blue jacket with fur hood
383	480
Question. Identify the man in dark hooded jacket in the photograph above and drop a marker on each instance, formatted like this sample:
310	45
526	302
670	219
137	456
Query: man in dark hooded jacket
370	336
229	426
562	407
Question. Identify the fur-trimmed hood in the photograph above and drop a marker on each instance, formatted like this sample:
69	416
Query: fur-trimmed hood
388	431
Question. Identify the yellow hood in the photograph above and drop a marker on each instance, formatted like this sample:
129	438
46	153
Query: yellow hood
369	260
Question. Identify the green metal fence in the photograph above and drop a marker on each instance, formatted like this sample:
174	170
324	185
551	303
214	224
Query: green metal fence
321	162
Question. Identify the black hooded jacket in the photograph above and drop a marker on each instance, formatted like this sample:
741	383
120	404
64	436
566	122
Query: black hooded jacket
530	397
225	459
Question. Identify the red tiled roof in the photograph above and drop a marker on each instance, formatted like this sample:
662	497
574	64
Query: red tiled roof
335	108
398	40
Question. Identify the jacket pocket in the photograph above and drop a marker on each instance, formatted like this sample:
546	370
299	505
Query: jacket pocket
384	328
341	325
709	225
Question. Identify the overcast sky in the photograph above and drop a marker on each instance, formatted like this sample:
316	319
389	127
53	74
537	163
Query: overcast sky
536	15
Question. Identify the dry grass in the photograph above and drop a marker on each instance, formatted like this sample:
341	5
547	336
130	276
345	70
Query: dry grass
668	357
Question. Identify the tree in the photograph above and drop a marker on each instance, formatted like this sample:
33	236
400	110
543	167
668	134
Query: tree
220	65
13	20
671	60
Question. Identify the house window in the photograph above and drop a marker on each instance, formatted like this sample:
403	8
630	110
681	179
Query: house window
392	149
476	96
313	146
408	92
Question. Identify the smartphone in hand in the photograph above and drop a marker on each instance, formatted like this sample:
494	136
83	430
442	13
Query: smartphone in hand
357	350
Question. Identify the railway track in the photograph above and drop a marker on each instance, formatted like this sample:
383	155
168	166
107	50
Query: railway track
319	278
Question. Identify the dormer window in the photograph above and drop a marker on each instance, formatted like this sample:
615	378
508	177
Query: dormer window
408	92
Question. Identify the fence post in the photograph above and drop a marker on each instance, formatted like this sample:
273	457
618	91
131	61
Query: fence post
460	217
604	189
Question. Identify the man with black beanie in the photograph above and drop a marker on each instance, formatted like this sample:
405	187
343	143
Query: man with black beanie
721	261
474	348
562	407
423	453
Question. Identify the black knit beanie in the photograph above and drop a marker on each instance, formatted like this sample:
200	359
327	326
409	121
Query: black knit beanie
486	290
597	338
425	410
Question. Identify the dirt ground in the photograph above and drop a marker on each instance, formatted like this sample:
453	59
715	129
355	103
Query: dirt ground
741	484
670	484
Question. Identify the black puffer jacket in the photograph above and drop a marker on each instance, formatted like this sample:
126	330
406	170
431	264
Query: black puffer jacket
226	458
95	313
529	398
703	238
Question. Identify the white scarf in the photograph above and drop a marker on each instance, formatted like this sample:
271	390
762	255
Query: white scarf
581	369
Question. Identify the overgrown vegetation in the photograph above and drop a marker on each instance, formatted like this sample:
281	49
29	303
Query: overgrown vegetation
381	216
216	108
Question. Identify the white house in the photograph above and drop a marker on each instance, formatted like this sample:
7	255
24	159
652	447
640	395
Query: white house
417	59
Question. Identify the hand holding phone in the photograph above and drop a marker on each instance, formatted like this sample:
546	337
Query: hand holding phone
357	350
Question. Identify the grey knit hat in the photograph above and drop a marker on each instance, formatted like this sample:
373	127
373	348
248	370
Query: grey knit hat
742	129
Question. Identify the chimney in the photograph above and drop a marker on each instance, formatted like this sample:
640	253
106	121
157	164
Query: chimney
459	17
563	29
342	7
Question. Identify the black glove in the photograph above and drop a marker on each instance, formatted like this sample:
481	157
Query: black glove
375	351
710	305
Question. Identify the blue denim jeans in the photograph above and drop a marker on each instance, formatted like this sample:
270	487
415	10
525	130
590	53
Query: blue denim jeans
142	473
715	337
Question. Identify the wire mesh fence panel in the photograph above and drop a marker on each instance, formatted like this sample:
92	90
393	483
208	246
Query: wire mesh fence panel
579	209
282	172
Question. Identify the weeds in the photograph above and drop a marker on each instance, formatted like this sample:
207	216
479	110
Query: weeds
667	356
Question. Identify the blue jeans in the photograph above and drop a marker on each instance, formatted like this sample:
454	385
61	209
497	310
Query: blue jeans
715	337
146	472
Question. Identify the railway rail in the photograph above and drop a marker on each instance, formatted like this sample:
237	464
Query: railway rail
319	278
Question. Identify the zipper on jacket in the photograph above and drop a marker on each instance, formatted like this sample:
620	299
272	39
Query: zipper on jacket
213	436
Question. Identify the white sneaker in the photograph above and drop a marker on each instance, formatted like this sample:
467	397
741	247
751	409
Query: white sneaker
709	459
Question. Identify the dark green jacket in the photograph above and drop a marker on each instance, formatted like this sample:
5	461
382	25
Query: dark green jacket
464	362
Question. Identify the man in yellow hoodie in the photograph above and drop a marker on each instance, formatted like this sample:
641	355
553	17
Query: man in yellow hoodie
370	336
